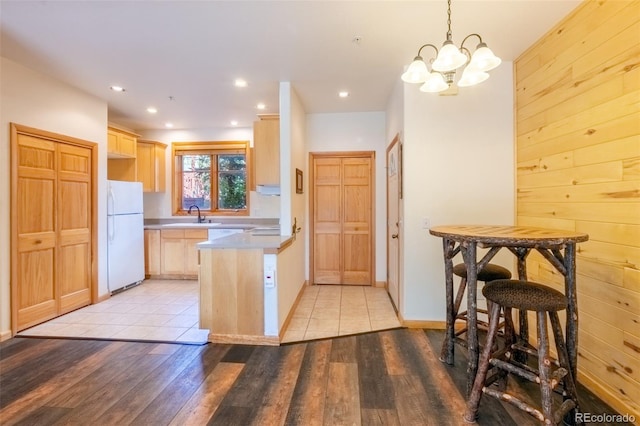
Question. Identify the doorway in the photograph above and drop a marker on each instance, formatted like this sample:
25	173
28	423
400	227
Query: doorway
342	219
53	225
394	194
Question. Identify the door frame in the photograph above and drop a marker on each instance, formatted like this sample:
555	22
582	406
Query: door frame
396	140
343	154
17	129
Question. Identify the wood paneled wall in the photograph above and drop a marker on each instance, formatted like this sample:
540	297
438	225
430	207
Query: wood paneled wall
578	168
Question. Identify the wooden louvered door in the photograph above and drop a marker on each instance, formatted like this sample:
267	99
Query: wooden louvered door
342	218
52	232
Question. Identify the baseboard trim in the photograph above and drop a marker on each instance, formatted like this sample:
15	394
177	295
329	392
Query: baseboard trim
287	320
431	325
241	339
104	297
5	335
380	284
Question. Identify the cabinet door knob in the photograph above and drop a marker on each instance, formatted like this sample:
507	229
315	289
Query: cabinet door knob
394	236
38	241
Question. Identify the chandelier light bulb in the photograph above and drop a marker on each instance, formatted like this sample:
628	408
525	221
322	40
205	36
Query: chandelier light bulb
471	77
483	59
417	72
449	58
434	84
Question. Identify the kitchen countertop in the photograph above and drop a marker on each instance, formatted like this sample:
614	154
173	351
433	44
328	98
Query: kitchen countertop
184	222
205	225
246	240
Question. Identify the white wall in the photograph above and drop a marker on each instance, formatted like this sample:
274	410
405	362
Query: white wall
458	168
291	263
362	131
38	101
158	205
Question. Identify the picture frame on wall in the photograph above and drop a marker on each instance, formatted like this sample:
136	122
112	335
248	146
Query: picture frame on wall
299	181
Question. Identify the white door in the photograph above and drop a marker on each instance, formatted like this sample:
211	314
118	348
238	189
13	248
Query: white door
394	174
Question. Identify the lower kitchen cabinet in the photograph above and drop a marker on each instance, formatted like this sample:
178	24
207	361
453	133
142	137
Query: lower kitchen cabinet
178	253
151	252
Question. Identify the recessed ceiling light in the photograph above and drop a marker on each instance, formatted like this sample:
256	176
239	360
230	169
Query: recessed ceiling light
168	125
343	94
261	106
240	83
152	110
234	122
117	88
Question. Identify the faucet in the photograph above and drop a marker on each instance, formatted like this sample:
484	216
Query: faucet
200	218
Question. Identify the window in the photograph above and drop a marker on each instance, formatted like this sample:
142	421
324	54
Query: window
212	176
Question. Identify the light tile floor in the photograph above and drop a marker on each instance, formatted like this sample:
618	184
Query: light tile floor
156	310
328	311
167	311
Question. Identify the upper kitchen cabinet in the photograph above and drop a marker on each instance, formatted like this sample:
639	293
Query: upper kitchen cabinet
151	166
121	144
266	148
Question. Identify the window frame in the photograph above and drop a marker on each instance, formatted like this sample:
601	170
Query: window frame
178	149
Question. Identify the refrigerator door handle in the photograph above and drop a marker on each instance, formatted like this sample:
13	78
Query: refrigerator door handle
111	225
111	198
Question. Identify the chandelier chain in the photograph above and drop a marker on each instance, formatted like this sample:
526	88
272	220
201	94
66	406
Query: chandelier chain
448	19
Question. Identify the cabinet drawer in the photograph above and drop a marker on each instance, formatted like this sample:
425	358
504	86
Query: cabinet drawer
201	234
172	233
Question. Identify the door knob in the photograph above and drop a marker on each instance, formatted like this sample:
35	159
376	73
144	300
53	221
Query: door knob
394	236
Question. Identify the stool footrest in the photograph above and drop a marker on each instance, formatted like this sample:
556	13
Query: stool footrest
503	365
524	367
514	401
525	348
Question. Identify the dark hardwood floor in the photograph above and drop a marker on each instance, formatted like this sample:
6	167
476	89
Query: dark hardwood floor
386	378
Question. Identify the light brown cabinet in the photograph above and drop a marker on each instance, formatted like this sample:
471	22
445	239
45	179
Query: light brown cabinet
151	252
266	149
178	253
121	154
121	144
151	167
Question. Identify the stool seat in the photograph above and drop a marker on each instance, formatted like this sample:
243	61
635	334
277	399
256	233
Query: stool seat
489	273
525	295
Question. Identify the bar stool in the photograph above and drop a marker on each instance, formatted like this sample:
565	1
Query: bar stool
487	274
523	295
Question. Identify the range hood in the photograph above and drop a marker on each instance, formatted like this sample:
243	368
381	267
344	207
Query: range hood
268	189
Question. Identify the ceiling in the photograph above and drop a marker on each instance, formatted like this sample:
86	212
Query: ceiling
183	56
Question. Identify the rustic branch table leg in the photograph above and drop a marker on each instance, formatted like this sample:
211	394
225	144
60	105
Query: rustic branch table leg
572	308
447	351
469	254
523	325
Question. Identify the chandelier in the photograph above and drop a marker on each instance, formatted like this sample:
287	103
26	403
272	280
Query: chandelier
447	60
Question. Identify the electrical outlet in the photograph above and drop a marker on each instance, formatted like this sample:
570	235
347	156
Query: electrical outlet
426	223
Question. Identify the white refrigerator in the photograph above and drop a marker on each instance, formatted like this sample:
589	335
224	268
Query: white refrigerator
125	234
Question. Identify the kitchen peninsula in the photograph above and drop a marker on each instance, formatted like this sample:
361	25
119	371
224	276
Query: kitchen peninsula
242	297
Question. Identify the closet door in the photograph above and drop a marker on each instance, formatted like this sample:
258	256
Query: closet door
51	226
74	227
327	215
35	298
342	216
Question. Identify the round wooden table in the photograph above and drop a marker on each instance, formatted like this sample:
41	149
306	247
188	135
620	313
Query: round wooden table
557	246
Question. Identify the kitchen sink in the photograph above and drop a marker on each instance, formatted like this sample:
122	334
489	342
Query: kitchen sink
191	225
